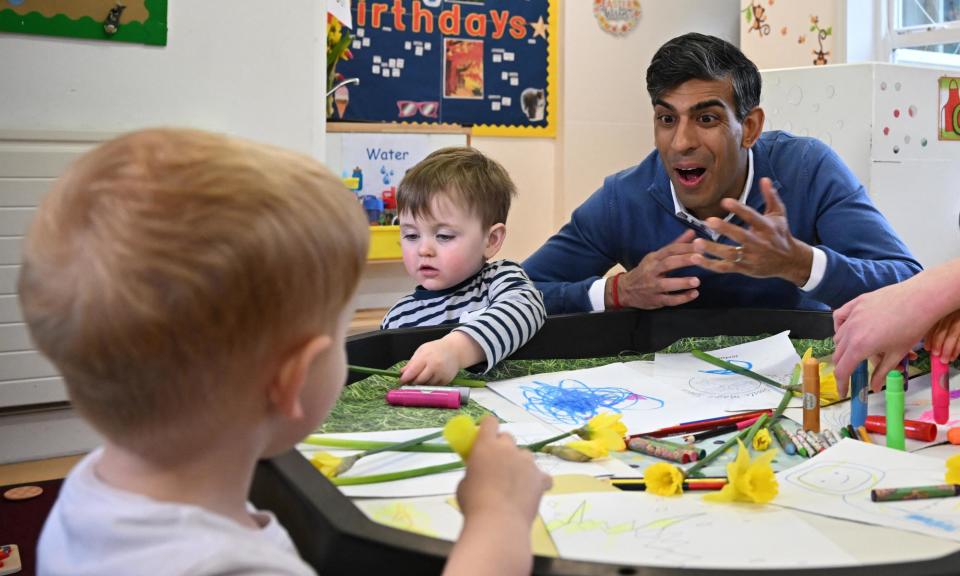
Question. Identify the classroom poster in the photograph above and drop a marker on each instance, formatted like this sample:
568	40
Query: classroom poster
489	64
138	21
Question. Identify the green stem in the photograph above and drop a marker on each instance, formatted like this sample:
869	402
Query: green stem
700	464
372	444
736	369
394	374
400	446
403	474
753	429
538	446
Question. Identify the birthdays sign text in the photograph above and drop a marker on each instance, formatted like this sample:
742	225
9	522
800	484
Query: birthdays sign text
481	63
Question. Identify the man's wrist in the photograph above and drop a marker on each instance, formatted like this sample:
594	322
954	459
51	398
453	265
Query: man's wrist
800	272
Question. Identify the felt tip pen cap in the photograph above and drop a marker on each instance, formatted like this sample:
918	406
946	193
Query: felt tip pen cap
894	381
424	398
463	390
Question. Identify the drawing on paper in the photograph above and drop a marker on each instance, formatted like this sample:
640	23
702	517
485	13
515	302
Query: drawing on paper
574	402
402	516
654	532
836	479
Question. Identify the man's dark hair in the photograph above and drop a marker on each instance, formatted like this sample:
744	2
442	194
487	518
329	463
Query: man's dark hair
700	57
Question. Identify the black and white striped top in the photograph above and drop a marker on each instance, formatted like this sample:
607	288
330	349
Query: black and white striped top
499	308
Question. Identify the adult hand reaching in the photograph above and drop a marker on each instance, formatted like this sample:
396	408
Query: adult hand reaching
647	285
766	248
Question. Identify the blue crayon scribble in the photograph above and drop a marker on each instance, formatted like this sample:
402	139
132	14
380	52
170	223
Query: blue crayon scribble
573	402
932	522
725	372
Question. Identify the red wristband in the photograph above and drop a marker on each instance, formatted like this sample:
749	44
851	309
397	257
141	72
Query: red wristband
615	291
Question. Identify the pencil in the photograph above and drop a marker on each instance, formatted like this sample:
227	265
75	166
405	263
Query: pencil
639	485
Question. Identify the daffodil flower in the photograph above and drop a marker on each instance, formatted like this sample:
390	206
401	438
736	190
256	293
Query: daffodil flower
605	428
460	433
748	481
663	479
762	440
331	466
953	469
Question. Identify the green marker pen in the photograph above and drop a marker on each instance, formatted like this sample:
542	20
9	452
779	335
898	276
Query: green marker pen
894	397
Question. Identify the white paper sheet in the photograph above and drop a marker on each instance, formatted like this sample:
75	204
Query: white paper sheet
773	357
837	483
681	388
432	516
640	528
443	483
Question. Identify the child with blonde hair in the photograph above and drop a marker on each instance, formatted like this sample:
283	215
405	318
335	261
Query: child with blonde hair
453	209
194	291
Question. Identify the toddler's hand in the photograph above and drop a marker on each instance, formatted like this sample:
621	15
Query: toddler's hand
437	363
943	339
502	480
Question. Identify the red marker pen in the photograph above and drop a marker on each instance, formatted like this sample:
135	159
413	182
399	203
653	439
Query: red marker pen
424	398
913	429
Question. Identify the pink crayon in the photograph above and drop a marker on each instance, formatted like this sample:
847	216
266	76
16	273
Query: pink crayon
940	388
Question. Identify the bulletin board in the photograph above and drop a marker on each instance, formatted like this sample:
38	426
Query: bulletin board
137	21
487	64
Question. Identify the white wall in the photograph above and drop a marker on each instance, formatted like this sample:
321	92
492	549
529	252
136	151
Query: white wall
607	122
237	66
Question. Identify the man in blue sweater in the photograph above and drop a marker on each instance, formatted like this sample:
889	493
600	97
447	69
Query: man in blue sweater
720	215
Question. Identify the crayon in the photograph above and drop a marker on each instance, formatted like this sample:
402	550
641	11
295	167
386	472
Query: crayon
913	429
666	450
811	394
823	439
914	493
940	388
852	431
783	438
862	434
833	437
812	439
953	435
896	438
844	433
860	385
804	447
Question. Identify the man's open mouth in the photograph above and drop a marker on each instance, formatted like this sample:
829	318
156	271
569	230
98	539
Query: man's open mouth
690	176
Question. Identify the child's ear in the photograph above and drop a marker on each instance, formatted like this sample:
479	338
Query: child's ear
495	238
290	378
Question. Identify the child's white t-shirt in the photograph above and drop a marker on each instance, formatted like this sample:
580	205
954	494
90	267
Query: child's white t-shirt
96	529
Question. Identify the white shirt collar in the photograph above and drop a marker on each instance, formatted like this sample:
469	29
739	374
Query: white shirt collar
682	213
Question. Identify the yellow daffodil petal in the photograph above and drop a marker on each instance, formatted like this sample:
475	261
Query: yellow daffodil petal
326	463
460	433
807	354
761	441
607	424
828	385
663	479
748	481
592	448
610	439
953	469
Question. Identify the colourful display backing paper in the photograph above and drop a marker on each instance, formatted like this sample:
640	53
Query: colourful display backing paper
141	22
489	64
